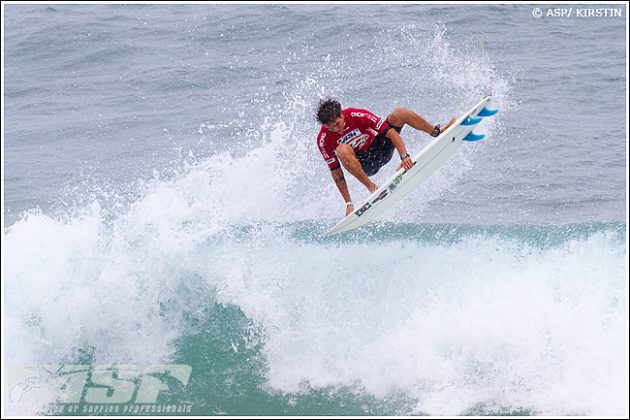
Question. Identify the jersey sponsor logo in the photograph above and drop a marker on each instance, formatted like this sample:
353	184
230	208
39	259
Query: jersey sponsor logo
376	120
356	139
322	140
350	136
329	161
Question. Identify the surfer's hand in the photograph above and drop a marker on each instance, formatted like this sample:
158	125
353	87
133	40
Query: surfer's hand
349	209
407	163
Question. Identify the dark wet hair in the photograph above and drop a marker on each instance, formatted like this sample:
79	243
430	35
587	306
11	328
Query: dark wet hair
328	110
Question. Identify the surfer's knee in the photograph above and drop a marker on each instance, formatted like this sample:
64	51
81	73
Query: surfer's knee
398	117
344	151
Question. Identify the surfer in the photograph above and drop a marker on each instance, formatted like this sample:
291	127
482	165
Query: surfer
363	142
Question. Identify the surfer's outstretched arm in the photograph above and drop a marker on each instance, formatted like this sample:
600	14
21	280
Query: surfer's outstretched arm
340	182
398	143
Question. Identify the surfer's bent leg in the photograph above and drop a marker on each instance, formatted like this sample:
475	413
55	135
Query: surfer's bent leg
349	160
402	116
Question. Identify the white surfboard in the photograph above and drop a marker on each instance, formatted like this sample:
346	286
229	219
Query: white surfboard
425	163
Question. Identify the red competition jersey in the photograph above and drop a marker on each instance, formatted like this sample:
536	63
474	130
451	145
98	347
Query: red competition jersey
359	131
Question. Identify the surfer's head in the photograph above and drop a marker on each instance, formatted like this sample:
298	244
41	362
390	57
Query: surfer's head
328	110
329	114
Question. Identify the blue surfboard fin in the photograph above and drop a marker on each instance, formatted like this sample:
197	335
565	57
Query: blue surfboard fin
474	137
471	121
485	112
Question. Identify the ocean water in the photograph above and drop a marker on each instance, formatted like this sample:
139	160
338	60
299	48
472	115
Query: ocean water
165	204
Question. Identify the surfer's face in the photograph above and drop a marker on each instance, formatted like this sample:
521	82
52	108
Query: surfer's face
336	125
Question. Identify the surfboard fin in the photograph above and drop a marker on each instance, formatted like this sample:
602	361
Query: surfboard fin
471	121
485	112
474	137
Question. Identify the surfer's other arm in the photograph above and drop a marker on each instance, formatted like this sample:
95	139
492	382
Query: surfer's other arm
340	182
399	144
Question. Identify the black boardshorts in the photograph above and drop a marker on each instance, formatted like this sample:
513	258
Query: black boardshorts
379	154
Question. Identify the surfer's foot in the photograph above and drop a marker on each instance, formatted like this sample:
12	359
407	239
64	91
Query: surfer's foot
373	187
439	130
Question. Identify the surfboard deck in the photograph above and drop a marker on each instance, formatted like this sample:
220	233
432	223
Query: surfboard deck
425	163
